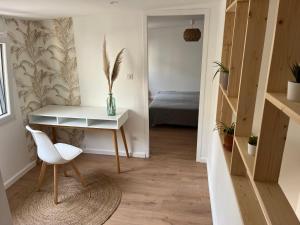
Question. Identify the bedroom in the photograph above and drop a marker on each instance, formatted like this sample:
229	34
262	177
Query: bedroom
175	45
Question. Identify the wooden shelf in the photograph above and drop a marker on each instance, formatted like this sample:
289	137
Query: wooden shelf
242	144
262	203
227	157
275	205
232	101
291	109
249	204
231	7
251	211
227	154
255	178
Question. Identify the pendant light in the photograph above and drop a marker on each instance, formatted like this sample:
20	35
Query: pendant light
192	34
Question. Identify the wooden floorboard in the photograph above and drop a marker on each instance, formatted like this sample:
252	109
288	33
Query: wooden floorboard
170	188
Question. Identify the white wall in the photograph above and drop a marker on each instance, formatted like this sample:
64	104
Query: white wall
5	216
14	157
123	29
89	32
174	64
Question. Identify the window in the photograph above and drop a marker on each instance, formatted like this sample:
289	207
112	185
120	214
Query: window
5	92
3	89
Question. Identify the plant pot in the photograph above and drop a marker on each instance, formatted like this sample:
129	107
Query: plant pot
251	149
228	142
293	92
224	79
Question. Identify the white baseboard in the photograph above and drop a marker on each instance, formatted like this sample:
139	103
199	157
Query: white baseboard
19	174
211	196
202	160
112	152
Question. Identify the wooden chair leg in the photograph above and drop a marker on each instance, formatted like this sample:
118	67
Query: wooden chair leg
124	141
78	173
56	167
115	141
65	170
54	135
42	175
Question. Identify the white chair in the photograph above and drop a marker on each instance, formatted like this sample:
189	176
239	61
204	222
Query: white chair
54	154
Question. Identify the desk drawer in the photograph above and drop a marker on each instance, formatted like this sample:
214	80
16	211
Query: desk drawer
72	122
105	124
48	120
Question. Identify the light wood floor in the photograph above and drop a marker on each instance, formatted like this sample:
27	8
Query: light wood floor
168	189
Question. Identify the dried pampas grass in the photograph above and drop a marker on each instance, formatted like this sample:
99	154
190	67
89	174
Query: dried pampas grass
111	78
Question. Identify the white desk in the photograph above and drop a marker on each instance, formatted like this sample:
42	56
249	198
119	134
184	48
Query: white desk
82	117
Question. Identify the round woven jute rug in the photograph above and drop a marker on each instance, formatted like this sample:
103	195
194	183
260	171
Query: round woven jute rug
90	205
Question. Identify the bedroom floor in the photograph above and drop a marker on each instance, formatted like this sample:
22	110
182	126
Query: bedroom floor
169	188
173	142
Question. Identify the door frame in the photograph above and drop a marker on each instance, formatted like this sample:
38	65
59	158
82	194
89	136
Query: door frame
201	125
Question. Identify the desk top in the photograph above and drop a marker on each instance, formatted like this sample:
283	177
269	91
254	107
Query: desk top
78	116
78	112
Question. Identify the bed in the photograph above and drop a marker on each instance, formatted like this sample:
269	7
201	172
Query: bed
174	108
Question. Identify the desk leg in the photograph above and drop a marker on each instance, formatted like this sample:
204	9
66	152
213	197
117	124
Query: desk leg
54	135
115	141
124	141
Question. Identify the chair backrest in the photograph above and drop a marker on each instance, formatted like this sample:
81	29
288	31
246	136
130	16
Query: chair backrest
45	149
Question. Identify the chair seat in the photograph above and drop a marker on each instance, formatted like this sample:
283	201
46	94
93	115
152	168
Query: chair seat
67	152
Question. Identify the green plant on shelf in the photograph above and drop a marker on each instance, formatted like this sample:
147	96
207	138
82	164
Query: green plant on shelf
253	140
221	68
225	129
293	87
228	132
295	69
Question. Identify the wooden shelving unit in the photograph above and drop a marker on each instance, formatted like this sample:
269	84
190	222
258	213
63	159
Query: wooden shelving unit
291	109
249	205
276	207
232	101
231	7
242	145
227	155
255	178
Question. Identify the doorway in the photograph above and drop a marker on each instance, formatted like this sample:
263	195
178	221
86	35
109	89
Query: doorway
175	89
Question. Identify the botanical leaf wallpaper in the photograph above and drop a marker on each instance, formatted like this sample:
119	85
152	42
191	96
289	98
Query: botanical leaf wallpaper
45	67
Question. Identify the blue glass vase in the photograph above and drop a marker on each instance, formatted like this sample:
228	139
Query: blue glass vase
111	105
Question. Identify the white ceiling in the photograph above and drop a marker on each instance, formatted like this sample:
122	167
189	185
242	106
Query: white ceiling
55	8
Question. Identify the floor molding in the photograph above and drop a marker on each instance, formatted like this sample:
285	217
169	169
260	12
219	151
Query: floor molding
111	152
212	202
19	174
202	160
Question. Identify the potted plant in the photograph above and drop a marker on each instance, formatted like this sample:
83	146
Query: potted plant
293	92
224	74
228	132
252	143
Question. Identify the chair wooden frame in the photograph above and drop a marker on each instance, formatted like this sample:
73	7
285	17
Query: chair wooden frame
56	175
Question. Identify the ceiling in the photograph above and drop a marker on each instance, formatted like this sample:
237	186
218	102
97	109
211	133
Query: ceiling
55	8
